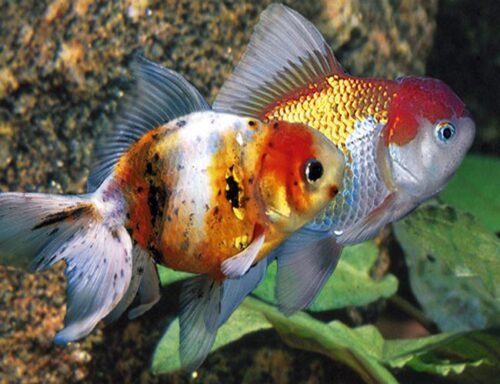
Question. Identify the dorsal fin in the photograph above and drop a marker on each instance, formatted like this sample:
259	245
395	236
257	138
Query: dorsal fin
286	53
159	95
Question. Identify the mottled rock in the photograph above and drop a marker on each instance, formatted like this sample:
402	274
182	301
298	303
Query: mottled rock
64	66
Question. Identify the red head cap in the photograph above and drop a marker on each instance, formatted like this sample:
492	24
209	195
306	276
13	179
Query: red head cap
419	98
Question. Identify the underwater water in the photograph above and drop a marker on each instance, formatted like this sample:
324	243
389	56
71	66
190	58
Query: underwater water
64	67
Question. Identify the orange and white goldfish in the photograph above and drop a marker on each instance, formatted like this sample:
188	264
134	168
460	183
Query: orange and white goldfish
179	185
403	140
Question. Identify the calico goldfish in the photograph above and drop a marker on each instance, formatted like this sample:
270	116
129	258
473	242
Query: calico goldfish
179	185
403	140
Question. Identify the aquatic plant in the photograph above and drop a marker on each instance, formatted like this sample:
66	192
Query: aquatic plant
453	258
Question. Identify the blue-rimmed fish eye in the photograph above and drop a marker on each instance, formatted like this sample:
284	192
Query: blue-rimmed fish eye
445	131
313	170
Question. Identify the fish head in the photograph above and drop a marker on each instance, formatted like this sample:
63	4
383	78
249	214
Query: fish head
428	133
301	171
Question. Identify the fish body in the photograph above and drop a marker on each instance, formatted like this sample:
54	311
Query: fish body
196	188
403	139
180	185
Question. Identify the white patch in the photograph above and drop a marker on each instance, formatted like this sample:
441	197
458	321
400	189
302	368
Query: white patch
201	139
239	138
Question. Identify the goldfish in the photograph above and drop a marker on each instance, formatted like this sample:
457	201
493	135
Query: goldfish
402	139
179	185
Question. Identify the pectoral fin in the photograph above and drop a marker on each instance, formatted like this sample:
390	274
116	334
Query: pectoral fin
305	262
239	264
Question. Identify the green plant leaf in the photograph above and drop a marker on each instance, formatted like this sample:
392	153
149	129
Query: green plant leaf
169	276
350	284
363	349
448	353
475	189
454	267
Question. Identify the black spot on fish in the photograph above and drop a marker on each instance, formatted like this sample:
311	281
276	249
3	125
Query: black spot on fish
149	169
139	190
122	273
156	157
276	125
176	211
232	192
140	270
157	198
115	235
180	123
68	214
157	256
431	258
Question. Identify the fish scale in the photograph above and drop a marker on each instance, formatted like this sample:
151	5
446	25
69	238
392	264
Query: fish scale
336	105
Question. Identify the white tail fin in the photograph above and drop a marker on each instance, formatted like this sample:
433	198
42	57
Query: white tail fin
38	230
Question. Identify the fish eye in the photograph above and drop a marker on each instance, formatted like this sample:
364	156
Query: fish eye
445	131
313	170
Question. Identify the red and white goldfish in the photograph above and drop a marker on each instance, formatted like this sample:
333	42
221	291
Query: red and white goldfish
180	185
403	140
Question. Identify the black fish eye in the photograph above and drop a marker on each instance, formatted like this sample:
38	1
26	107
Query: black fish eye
445	131
313	170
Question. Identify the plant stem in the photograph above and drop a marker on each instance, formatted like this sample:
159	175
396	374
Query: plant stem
412	311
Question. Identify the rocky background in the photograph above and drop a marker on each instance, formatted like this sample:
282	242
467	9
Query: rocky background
64	66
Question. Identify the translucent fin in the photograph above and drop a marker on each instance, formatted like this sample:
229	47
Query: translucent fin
200	310
239	264
286	53
22	238
149	290
235	290
305	262
159	96
98	269
47	229
139	260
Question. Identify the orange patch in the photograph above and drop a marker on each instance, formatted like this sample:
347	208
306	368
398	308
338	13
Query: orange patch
285	152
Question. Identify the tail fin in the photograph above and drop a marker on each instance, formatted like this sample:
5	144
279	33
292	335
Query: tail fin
38	230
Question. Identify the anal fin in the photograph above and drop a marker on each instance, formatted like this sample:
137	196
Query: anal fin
200	309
